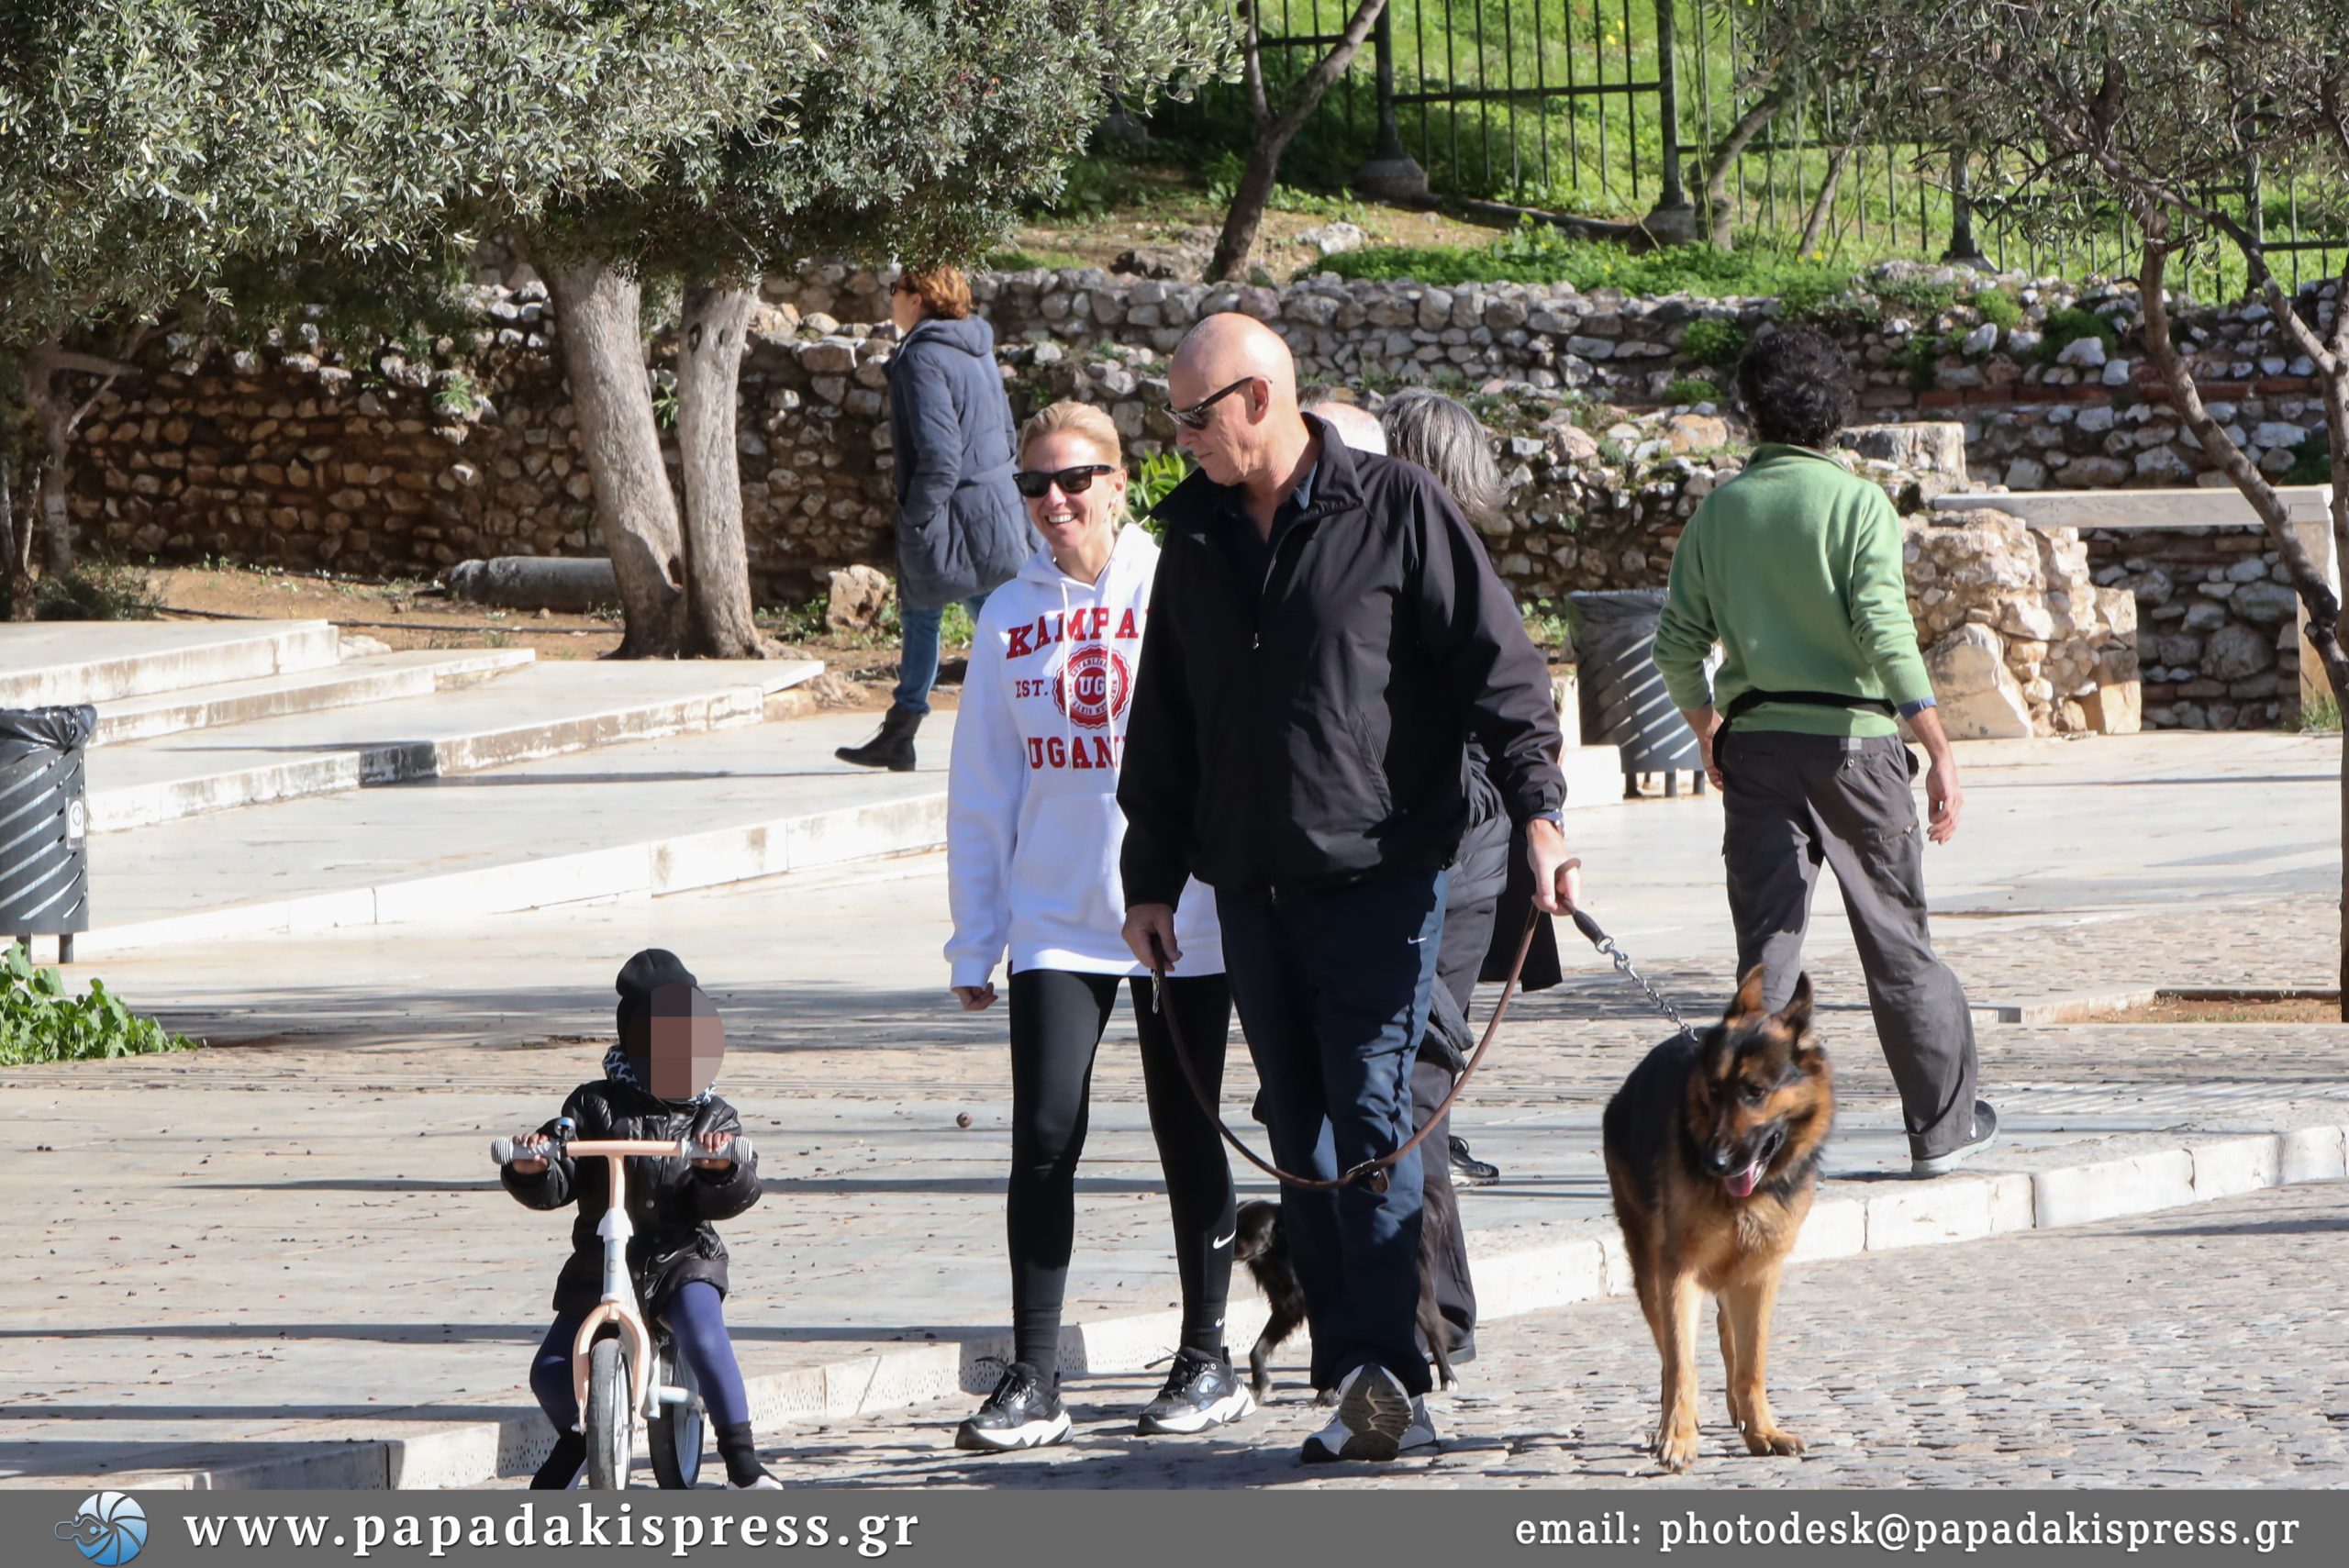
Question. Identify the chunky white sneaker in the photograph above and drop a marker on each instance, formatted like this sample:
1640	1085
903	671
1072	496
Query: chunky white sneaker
1375	1412
1202	1392
1021	1413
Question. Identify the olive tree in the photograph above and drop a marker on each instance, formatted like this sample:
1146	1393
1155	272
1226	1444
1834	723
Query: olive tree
2157	107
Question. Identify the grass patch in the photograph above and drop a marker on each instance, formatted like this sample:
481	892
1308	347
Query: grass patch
1692	389
40	1020
1016	260
2321	717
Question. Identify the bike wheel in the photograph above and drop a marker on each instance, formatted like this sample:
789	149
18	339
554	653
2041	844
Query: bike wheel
677	1434
610	1423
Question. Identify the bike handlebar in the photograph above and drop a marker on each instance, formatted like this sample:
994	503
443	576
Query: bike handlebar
505	1150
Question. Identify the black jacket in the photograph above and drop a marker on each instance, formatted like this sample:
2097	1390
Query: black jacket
1311	729
671	1203
960	527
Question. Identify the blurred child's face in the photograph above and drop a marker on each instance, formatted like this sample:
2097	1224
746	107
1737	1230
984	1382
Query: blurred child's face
684	1041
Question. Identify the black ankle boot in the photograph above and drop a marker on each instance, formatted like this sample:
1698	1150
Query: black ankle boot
892	748
740	1452
562	1465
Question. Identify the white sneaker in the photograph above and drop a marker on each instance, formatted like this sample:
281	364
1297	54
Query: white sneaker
765	1483
1422	1432
1374	1414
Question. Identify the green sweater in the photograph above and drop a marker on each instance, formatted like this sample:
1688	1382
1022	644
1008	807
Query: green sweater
1793	568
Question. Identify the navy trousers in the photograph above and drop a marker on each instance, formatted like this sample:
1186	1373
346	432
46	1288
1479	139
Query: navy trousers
1333	988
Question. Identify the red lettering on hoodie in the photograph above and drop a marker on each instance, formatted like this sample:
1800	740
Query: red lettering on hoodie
1126	626
1016	648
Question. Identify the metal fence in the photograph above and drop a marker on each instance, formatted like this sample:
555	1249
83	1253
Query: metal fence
1562	106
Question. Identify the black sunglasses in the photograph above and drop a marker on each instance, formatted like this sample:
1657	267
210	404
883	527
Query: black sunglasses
1195	418
1033	483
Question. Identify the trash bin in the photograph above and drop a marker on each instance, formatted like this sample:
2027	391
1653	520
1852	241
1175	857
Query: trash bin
1624	702
44	824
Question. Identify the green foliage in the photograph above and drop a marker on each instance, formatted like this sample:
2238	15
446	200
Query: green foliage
1540	253
1710	341
457	397
2311	460
2321	717
2068	325
96	591
1160	474
1915	295
1692	389
1551	623
1920	356
40	1020
1997	306
954	625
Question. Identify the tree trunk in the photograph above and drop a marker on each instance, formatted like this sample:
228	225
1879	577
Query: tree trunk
1823	204
2328	626
1274	133
718	564
18	590
635	511
1728	150
1232	247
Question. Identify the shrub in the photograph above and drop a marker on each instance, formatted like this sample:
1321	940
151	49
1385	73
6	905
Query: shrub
42	1021
1997	306
1692	389
96	591
2312	461
2070	325
1156	479
1710	340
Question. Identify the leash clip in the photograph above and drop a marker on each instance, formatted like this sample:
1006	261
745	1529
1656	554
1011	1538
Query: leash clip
1370	1172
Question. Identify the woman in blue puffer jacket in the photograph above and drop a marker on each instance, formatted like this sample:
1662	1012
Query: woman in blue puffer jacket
961	531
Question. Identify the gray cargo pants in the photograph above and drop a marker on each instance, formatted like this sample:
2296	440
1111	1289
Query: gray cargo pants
1793	800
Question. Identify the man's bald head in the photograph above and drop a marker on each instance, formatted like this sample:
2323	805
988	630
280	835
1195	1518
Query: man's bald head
1227	346
1239	377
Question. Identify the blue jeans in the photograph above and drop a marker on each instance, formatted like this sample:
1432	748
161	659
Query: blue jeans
917	661
1333	990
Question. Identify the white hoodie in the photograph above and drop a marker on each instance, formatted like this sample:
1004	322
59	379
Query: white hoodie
1032	824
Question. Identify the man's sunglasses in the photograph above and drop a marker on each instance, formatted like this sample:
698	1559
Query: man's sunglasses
1195	418
1033	483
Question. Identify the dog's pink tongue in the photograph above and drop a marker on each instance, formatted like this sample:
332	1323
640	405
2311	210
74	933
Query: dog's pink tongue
1743	1184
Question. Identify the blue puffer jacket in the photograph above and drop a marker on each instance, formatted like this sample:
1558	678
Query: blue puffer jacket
961	528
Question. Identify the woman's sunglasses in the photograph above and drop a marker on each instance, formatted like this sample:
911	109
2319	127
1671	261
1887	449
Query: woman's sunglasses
1034	482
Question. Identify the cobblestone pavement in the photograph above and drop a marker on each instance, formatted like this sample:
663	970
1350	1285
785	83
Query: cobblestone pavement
2203	1347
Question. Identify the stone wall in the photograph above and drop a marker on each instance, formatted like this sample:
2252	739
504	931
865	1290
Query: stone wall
2218	635
2087	416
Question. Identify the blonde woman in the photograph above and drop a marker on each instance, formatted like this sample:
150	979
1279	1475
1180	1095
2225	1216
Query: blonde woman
1033	840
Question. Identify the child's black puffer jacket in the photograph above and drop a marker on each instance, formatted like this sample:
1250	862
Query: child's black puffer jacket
671	1203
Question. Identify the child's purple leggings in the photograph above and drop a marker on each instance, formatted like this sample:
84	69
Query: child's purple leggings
696	1318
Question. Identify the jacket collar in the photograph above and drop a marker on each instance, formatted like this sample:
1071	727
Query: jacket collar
1334	485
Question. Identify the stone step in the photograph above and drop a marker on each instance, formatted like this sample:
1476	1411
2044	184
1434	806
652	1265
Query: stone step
383	677
632	820
544	710
51	662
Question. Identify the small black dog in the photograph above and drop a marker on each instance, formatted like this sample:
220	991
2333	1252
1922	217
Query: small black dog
1260	1244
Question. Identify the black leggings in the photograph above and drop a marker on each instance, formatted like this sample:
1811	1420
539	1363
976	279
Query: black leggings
1057	1017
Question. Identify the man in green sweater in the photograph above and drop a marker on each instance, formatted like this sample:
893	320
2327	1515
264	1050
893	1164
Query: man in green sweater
1794	569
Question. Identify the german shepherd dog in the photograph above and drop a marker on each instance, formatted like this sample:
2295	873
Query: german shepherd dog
1259	1244
1712	1153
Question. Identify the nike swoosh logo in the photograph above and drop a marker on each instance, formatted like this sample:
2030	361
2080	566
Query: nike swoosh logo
1223	1242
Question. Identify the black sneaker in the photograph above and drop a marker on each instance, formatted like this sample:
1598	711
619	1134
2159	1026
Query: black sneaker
1020	1413
1983	1134
1201	1391
1469	1171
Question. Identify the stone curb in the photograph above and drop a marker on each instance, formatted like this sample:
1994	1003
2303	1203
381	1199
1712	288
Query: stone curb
1512	1283
744	852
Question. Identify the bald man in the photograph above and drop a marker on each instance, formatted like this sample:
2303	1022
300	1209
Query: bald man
1325	634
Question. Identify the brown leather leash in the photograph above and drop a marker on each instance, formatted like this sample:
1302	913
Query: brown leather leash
1371	1173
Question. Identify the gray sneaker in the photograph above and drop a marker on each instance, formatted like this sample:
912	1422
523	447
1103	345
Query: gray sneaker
1986	1133
1374	1416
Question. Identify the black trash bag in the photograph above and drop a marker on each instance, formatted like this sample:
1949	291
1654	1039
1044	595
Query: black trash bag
59	729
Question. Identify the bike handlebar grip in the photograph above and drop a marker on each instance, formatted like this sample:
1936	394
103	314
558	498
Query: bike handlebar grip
502	1151
1593	933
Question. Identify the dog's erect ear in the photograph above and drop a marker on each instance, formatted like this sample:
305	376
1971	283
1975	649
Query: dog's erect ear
1746	1005
1795	1014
